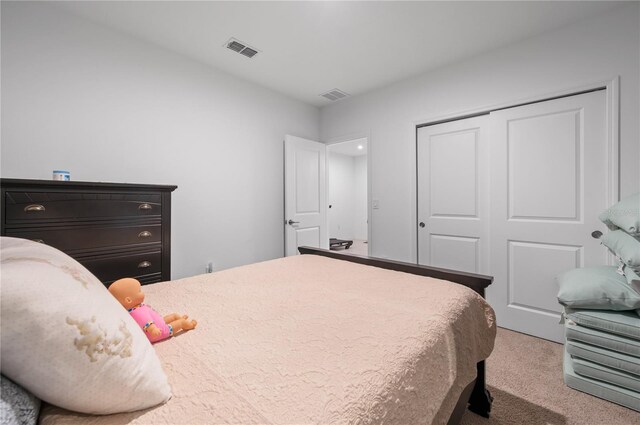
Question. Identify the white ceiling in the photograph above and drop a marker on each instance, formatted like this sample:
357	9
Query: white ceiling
350	148
308	48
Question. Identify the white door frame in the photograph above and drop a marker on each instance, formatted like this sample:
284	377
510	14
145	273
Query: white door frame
342	139
612	88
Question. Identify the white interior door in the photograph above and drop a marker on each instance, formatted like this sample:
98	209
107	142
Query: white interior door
548	185
452	195
305	203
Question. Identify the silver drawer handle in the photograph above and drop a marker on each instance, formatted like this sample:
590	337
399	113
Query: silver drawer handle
144	206
144	265
144	234
34	208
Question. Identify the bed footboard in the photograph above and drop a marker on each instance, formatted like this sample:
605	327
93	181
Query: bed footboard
477	282
480	399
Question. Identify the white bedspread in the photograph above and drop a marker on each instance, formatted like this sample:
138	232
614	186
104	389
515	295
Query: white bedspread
311	340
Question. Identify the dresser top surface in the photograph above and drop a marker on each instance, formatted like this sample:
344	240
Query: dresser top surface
7	183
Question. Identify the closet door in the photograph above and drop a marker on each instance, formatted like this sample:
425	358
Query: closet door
452	195
548	185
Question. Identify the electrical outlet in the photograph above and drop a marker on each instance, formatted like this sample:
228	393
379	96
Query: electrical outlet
209	268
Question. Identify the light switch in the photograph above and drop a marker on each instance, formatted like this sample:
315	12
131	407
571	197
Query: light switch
375	204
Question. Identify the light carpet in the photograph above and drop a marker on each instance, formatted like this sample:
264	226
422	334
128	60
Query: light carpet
524	375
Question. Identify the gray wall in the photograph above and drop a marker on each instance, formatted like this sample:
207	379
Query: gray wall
108	107
347	194
341	195
591	51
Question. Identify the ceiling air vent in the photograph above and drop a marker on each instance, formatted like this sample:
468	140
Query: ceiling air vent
334	95
242	48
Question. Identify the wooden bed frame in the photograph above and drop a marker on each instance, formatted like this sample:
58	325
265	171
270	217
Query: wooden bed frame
476	395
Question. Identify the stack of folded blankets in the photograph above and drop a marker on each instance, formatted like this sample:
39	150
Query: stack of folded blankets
602	314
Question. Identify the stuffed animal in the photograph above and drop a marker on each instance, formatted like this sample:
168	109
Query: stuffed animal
129	293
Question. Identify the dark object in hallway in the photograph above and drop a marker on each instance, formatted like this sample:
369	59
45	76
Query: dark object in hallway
338	243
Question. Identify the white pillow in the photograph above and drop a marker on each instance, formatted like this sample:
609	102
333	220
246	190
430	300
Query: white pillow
66	339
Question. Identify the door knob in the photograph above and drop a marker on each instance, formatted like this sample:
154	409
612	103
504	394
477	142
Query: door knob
421	224
291	222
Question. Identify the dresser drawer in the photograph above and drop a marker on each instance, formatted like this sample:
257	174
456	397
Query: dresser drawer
48	206
71	239
113	267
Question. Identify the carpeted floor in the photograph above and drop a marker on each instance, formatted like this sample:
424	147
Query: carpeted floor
524	375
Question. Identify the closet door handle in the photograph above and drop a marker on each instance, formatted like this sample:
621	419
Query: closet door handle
144	265
144	234
145	206
34	208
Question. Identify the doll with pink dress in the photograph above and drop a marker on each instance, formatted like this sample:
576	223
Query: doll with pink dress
129	293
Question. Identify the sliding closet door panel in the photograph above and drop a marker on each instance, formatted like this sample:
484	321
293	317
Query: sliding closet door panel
548	185
452	216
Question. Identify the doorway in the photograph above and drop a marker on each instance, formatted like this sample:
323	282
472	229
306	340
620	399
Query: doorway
347	196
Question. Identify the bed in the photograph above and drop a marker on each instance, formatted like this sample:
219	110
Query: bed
320	338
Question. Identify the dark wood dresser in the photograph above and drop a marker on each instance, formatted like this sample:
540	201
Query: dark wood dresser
115	230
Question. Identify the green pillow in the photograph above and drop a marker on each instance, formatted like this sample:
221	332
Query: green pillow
624	215
624	246
599	288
